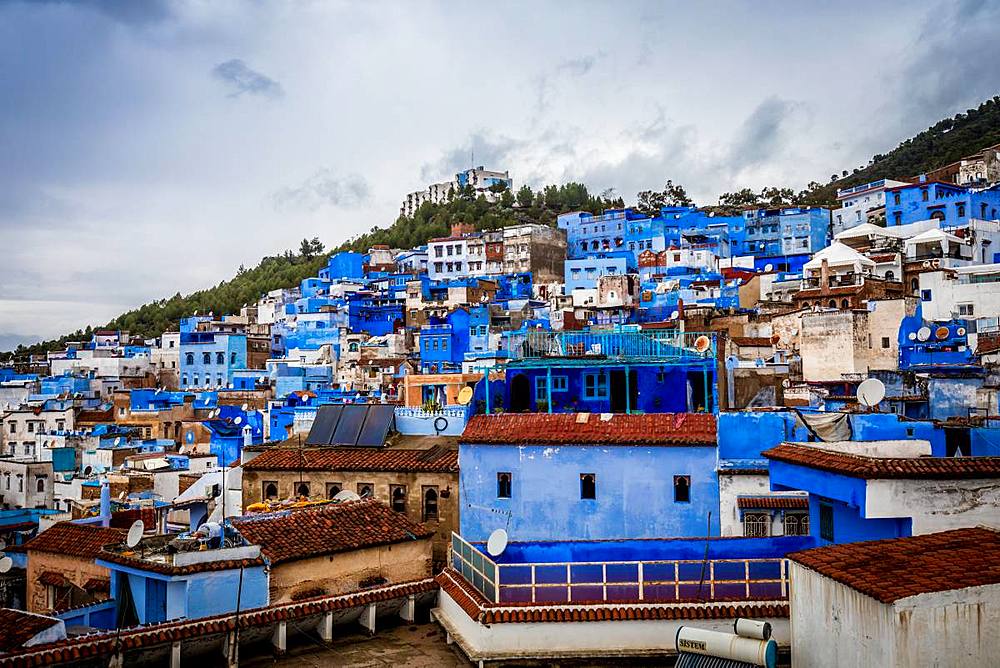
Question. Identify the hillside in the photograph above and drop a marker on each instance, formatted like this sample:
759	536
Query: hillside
289	269
944	142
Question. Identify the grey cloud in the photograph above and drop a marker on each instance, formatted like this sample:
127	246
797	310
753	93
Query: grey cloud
324	188
761	134
241	79
131	12
578	67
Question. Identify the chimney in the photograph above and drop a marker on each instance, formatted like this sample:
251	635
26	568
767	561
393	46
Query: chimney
105	506
824	274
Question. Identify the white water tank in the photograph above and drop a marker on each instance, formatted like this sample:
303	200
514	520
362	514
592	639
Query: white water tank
693	640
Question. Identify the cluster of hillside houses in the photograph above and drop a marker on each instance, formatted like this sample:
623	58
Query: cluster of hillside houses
554	442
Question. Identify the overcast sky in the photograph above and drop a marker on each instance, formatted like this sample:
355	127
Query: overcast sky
152	147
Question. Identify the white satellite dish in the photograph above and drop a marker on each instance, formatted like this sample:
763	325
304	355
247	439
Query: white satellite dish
6	563
768	267
923	333
118	441
675	315
135	533
871	392
346	495
912	336
238	419
244	407
497	543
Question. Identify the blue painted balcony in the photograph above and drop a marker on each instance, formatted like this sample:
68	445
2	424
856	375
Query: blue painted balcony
654	346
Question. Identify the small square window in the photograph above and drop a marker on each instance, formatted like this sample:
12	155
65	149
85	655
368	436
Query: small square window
885	341
925	295
588	486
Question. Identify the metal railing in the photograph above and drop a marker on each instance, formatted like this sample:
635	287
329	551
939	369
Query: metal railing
656	344
659	581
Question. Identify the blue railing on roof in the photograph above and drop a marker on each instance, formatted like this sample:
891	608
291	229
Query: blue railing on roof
666	345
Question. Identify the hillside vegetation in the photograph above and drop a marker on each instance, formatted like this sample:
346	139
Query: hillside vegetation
944	142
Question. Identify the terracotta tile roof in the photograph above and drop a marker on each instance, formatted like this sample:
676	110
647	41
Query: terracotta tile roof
435	460
591	429
484	611
20	627
170	569
857	466
773	502
339	527
78	540
98	585
888	570
53	579
95	646
758	341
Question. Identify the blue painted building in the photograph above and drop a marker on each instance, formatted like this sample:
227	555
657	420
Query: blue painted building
374	314
950	204
583	272
588	477
344	265
443	345
587	233
207	359
784	236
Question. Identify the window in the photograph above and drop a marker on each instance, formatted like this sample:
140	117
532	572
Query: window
796	524
333	489
397	497
682	489
588	486
206	358
890	276
826	522
40	485
966	309
885	341
503	485
430	503
895	198
13	427
189	358
31	427
756	525
595	386
366	489
302	489
961	210
897	218
541	388
924	195
220	357
560	383
232	358
925	295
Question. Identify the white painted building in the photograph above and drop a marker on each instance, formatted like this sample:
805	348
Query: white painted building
858	205
20	428
25	484
931	600
963	292
448	258
480	179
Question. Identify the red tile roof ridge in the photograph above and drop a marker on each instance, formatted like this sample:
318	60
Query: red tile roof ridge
79	540
869	468
104	644
340	458
591	429
895	568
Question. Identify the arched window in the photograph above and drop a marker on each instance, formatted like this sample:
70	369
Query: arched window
333	489
833	303
189	358
593	244
682	489
937	215
588	486
40	485
270	490
398	498
503	485
890	275
206	358
220	358
914	284
583	245
365	489
302	489
430	504
844	303
232	359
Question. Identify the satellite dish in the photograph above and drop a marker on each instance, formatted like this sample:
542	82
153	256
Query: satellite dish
135	533
497	543
465	396
912	336
960	331
346	495
768	267
238	419
923	333
675	315
118	441
786	383
941	333
6	564
702	343
245	407
871	392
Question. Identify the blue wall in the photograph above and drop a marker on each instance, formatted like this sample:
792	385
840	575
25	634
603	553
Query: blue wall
635	494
